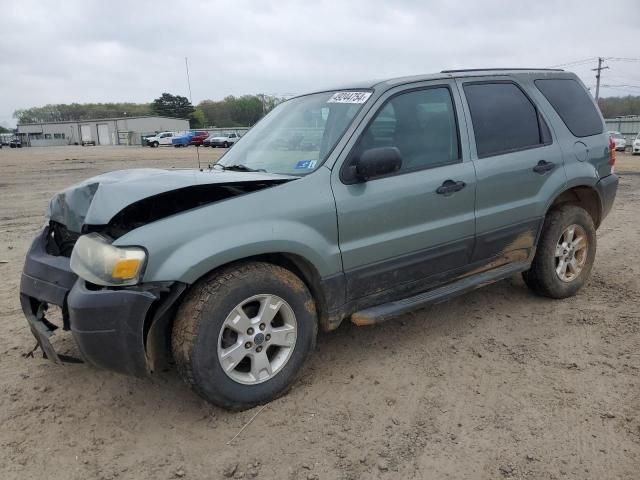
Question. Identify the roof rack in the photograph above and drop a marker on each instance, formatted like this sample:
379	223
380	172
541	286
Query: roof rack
499	69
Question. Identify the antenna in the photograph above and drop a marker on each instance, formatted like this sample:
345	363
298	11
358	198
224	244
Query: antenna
186	66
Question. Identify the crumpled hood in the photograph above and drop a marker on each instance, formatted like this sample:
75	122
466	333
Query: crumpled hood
97	200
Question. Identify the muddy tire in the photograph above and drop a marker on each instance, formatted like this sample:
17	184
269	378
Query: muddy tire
242	334
565	253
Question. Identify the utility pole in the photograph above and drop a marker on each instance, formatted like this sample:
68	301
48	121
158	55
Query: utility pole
599	69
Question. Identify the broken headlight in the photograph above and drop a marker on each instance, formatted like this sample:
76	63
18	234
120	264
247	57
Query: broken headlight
95	260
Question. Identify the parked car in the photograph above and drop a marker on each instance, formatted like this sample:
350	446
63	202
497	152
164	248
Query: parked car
619	140
421	189
636	145
15	143
224	140
199	137
161	139
182	139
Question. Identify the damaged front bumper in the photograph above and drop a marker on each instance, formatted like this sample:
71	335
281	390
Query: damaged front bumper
119	329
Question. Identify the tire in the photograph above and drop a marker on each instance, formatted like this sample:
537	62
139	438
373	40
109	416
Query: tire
543	276
201	328
225	145
155	145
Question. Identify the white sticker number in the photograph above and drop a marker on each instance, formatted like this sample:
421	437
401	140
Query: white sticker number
349	97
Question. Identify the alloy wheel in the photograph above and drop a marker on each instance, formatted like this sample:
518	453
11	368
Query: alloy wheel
257	339
571	253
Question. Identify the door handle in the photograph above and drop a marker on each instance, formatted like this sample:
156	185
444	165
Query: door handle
449	186
543	167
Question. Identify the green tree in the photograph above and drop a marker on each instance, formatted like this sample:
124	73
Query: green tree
175	106
197	119
241	111
4	130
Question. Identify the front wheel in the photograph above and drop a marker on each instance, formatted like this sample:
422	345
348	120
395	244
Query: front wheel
565	254
242	334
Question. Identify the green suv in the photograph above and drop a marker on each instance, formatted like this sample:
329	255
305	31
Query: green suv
361	203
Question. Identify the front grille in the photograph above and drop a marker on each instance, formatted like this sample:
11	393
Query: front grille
60	241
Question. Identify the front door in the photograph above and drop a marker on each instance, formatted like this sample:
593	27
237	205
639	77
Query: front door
402	232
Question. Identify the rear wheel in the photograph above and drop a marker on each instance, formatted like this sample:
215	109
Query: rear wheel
565	254
241	335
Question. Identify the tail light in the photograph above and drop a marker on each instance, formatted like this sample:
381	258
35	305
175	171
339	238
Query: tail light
612	153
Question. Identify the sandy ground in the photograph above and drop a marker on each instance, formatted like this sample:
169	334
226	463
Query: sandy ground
496	384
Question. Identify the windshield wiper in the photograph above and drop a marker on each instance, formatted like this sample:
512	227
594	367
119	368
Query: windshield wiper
239	168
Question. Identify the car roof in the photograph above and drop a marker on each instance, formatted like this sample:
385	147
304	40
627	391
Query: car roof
474	72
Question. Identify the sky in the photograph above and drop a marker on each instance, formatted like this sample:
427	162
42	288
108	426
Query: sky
132	51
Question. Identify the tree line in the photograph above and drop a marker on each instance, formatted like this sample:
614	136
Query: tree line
612	107
243	111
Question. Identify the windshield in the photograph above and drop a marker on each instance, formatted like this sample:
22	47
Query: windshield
298	135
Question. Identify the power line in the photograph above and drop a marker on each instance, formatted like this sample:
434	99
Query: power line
623	59
620	86
576	62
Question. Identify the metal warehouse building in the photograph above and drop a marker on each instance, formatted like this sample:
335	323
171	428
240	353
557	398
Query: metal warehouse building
105	131
628	126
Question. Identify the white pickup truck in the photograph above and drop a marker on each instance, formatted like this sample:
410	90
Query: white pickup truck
161	139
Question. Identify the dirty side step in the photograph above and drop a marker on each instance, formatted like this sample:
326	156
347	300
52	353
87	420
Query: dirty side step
386	311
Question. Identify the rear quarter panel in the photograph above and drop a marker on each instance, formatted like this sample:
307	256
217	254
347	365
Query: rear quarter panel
586	159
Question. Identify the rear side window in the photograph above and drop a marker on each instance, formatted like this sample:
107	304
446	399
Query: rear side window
573	104
504	119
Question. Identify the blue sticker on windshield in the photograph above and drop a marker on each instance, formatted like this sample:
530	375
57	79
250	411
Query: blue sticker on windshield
305	164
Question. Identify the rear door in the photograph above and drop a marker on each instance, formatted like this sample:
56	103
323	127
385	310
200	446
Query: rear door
519	166
401	233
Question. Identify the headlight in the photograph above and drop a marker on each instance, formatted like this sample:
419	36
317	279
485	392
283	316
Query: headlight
97	261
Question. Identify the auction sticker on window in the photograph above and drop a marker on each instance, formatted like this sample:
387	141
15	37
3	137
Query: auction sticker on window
306	164
349	97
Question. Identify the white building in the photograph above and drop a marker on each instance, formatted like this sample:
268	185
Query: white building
106	131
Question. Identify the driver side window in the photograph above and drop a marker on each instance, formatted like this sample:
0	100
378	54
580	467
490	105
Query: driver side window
421	124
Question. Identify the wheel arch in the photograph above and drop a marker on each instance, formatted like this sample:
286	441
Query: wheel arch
300	266
585	196
159	325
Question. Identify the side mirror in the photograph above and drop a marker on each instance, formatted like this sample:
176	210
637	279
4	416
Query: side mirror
377	162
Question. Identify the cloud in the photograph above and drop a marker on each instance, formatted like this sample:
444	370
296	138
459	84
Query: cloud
96	51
